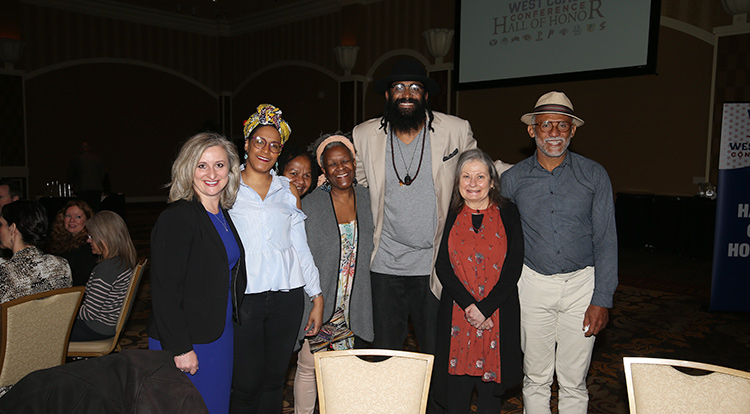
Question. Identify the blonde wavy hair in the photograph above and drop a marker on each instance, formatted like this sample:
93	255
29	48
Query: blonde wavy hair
61	240
183	169
110	234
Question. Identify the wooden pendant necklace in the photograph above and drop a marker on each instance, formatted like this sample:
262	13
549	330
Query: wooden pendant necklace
408	179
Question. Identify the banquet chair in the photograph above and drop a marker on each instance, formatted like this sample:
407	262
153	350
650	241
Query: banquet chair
105	346
35	332
655	386
352	385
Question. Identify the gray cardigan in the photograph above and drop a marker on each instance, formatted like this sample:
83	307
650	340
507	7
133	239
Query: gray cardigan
325	245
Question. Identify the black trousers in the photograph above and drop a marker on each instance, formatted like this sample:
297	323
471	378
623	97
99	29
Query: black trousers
458	400
263	345
82	333
394	300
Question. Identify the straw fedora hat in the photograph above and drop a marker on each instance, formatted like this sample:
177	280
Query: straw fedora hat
552	103
407	70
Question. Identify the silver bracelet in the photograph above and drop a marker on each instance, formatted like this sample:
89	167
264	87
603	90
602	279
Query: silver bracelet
312	298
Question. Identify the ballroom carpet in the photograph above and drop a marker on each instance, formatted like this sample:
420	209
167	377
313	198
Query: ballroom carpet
660	310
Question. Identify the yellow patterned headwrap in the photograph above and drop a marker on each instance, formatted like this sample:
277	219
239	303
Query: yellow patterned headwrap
267	114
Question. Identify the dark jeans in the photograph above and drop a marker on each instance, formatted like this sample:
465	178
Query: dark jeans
263	345
394	300
458	400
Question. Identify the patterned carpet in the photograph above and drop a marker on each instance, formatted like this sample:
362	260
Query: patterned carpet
660	310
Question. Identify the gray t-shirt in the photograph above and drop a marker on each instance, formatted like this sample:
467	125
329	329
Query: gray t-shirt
410	211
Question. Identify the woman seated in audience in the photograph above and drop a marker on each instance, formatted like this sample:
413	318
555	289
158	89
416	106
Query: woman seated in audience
110	279
23	226
68	238
479	263
298	166
340	221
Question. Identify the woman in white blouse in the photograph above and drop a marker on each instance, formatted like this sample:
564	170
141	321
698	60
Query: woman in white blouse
281	273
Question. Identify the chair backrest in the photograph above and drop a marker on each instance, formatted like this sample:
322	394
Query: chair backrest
105	346
35	331
349	384
655	386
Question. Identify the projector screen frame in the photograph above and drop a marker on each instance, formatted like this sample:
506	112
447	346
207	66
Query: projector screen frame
647	69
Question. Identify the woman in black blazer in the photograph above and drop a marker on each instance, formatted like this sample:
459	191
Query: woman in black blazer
197	267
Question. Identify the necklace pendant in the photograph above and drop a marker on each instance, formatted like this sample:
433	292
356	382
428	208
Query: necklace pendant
408	180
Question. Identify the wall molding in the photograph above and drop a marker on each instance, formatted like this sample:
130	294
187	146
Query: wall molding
297	63
93	61
689	29
735	29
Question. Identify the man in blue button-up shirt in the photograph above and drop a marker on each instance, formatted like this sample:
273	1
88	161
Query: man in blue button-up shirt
570	263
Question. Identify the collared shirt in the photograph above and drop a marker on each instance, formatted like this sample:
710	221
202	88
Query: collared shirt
568	219
272	230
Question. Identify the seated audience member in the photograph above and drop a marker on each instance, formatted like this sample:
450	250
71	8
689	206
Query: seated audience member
109	281
9	192
68	238
23	226
298	166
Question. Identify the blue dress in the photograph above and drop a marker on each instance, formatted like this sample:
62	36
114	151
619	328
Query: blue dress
214	377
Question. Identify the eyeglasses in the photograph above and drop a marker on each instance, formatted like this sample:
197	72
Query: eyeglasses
546	126
260	143
400	88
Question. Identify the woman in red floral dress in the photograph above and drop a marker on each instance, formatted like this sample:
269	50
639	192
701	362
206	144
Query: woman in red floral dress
479	264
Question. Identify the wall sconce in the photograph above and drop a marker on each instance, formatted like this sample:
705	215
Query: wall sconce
347	57
11	51
438	42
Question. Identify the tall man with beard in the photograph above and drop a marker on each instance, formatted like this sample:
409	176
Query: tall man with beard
408	158
570	259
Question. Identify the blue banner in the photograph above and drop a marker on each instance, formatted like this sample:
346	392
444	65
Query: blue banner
730	285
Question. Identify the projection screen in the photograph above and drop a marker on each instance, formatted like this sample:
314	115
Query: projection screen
516	42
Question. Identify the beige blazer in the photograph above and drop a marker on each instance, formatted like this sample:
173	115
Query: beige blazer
451	137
